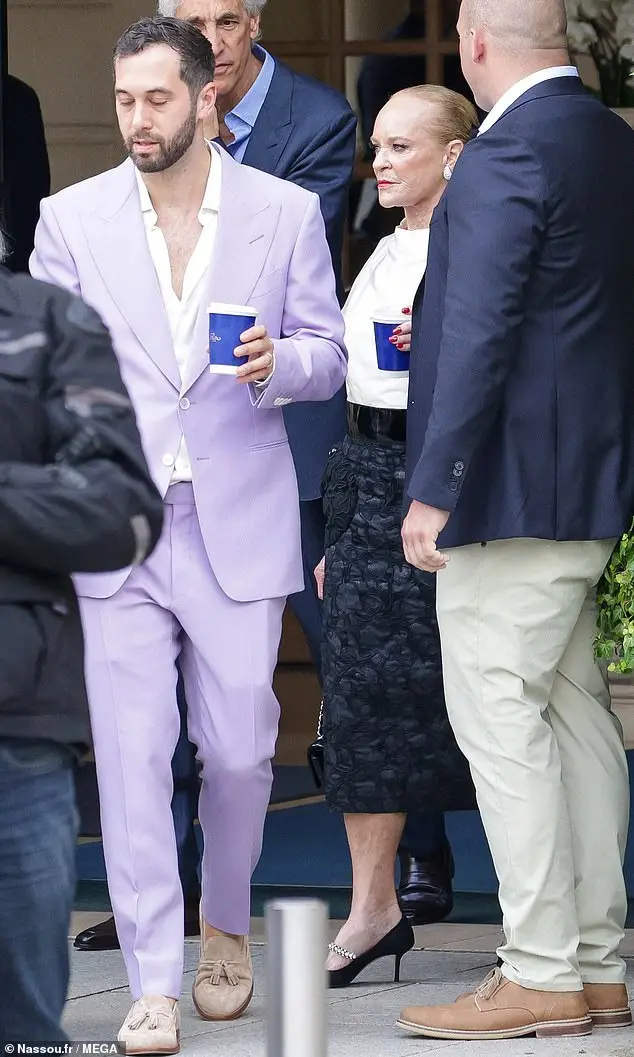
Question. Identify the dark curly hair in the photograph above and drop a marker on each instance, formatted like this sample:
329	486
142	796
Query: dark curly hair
196	55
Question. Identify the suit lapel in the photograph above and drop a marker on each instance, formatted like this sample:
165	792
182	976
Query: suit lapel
273	127
245	231
118	242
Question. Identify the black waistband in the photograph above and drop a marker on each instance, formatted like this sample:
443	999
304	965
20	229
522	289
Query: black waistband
377	423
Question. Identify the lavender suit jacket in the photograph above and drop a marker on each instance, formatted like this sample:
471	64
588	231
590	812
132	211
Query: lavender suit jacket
270	252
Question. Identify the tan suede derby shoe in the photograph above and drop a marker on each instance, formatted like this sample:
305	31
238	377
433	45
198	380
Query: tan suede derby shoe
223	986
151	1026
500	1009
608	1004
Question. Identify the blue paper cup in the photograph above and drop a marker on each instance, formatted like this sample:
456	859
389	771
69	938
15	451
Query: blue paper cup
389	358
226	324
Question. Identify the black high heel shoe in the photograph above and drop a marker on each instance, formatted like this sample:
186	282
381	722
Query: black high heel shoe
396	943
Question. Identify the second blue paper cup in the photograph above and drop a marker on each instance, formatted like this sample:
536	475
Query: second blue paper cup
226	324
389	358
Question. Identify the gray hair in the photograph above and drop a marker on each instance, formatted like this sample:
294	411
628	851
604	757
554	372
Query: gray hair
253	8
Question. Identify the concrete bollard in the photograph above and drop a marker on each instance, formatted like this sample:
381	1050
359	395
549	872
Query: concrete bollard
296	932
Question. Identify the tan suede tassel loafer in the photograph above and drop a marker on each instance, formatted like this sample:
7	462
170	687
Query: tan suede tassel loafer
223	986
500	1009
152	1026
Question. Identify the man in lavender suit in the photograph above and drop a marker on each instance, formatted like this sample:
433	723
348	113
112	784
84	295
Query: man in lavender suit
150	244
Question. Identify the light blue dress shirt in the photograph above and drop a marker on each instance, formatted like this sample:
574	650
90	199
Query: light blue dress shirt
242	118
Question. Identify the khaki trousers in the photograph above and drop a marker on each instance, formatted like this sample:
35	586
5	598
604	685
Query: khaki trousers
531	712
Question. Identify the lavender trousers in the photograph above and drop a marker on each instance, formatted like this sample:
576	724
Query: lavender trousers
173	606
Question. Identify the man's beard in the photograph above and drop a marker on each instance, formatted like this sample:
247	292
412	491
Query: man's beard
167	152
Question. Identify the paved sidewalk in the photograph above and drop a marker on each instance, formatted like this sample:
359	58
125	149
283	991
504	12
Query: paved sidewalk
361	1018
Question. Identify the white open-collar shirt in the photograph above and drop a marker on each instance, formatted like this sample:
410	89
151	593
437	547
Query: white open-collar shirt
183	313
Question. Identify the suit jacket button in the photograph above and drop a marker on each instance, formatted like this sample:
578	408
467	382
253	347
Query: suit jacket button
453	486
458	468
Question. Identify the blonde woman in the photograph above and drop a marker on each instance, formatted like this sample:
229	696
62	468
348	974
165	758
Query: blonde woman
388	745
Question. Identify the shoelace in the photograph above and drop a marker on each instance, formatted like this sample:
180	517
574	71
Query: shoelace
489	986
219	969
146	1017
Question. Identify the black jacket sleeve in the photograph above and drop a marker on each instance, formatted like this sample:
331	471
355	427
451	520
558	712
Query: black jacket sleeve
91	505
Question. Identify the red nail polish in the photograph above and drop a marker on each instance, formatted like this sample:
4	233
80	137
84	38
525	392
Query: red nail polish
407	311
398	331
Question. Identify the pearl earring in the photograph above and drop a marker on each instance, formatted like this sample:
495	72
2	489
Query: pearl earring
447	173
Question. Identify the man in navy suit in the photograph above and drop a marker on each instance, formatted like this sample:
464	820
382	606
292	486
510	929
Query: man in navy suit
521	466
301	130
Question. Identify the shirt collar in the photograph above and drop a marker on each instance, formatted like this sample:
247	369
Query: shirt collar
520	88
248	109
211	198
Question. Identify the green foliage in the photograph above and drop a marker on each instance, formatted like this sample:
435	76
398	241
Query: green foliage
614	640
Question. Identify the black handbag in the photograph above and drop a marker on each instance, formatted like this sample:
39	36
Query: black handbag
315	753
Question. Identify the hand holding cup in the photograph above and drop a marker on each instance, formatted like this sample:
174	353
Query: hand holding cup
236	345
391	352
402	336
258	347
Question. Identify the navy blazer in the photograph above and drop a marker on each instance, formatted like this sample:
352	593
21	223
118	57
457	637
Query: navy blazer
520	418
306	133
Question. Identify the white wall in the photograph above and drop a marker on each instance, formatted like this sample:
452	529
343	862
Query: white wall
62	48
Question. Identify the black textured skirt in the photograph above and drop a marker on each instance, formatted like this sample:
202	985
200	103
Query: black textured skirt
387	739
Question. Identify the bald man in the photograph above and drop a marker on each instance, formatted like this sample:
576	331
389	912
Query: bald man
521	477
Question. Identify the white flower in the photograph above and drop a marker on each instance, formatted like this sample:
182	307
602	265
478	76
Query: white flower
610	39
625	23
581	36
594	8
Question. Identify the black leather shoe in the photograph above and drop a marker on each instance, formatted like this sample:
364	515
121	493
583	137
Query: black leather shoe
103	937
425	891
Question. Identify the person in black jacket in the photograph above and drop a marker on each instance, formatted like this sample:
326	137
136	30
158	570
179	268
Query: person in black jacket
27	171
75	496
